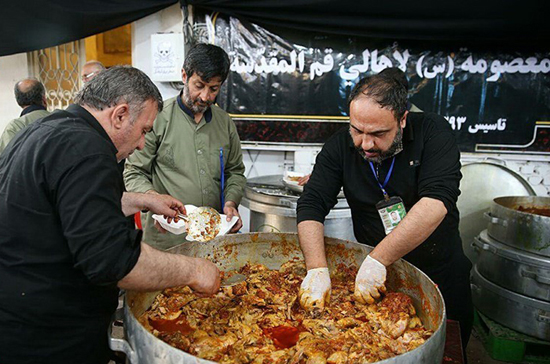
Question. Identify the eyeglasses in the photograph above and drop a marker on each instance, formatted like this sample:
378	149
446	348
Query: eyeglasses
88	76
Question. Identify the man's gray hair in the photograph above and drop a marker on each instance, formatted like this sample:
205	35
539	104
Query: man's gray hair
120	84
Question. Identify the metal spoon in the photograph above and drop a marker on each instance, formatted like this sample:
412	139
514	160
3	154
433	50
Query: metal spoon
233	280
183	217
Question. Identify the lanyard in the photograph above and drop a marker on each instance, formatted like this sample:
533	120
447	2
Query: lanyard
382	186
222	178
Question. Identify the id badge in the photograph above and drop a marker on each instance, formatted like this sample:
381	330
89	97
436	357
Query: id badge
391	212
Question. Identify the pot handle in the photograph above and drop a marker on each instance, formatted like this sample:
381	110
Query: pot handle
544	317
477	244
494	220
529	274
120	344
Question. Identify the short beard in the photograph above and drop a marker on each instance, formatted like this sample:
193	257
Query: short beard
395	147
193	104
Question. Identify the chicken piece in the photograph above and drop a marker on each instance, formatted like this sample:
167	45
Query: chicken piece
347	322
317	357
415	322
338	357
396	328
396	310
206	347
228	339
279	356
325	328
272	320
294	267
239	289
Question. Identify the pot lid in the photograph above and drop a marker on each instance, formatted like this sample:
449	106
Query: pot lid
485	242
481	183
271	190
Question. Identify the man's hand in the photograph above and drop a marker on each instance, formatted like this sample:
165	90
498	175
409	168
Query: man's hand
230	209
370	280
163	205
207	278
303	180
315	289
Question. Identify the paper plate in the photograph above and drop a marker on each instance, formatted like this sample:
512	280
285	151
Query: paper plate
293	185
180	227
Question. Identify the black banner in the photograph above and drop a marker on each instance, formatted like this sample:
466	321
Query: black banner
283	91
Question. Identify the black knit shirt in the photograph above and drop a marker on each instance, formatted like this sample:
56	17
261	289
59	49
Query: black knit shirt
64	241
428	166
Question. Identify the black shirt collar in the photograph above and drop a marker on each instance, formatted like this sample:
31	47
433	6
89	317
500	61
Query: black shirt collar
31	108
82	113
185	109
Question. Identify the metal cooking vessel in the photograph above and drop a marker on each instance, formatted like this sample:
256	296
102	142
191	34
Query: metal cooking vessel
481	183
273	249
273	209
525	273
526	315
521	230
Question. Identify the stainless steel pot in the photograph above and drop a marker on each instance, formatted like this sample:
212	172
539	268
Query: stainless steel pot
481	183
273	209
519	271
272	250
521	230
518	312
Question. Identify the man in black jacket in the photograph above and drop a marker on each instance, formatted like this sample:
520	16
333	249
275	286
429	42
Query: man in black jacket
390	162
65	245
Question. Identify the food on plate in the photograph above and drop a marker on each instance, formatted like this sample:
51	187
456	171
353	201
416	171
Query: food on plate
294	178
204	224
260	321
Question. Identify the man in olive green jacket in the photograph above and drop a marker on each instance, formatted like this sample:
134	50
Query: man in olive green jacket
190	142
31	96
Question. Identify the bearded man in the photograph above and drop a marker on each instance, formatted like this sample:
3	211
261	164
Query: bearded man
193	152
389	161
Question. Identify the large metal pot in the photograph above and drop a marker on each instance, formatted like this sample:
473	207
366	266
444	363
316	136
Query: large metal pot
273	209
521	230
518	312
481	183
525	273
273	249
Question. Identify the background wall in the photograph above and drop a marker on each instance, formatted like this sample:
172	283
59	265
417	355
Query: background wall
164	21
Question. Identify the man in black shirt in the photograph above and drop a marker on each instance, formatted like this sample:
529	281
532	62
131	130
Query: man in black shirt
389	161
65	244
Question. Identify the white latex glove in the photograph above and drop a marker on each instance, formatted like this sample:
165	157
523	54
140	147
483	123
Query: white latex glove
370	280
315	289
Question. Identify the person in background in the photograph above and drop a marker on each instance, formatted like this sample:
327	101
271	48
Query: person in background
30	94
194	151
91	69
389	159
65	245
